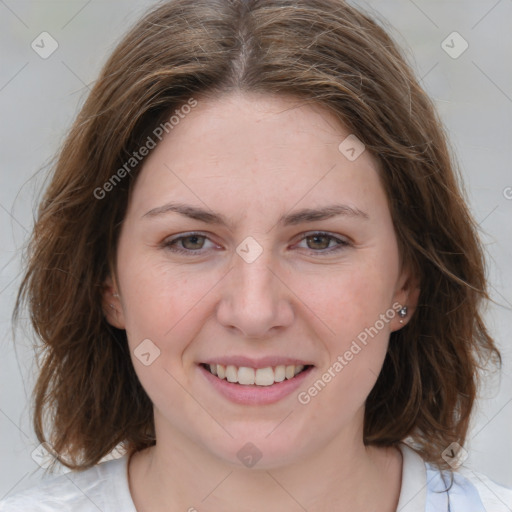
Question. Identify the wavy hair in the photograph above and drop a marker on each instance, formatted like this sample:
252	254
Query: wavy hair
87	398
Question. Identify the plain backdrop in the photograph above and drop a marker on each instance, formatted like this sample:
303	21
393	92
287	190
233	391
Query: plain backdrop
39	98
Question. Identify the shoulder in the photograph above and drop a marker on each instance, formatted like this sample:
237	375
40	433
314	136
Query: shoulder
102	487
465	489
425	488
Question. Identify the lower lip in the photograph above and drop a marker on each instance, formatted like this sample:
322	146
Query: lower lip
252	394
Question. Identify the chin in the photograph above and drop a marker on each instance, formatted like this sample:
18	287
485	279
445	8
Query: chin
254	448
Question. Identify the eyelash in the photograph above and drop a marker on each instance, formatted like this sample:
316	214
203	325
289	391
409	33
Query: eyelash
171	244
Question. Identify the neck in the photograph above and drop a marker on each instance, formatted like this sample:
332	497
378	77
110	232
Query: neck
179	474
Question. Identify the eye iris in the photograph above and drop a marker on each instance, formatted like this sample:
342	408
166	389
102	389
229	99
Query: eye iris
324	245
198	245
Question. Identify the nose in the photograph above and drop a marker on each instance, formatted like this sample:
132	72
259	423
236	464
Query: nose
255	300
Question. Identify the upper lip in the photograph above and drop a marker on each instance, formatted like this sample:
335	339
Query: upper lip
262	362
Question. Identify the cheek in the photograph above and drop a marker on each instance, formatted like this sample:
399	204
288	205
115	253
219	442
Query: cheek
162	303
351	298
354	309
354	302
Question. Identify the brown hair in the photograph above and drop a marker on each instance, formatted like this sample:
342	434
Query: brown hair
321	51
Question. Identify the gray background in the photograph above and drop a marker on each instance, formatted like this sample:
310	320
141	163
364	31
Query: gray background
40	97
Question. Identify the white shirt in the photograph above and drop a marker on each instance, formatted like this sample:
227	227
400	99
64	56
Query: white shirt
105	488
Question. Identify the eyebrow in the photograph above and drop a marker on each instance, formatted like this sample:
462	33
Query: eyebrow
290	219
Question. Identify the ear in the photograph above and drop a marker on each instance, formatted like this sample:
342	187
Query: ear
406	294
112	305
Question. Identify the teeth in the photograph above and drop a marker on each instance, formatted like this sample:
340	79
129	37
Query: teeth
246	375
260	376
231	373
290	371
264	377
280	373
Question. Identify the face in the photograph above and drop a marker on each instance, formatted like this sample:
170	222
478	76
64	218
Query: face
287	284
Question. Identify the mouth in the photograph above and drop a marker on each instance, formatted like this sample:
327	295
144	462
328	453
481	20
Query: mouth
256	377
249	382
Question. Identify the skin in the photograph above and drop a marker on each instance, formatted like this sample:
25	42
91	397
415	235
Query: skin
253	158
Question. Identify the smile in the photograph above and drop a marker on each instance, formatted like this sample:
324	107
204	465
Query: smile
253	383
247	376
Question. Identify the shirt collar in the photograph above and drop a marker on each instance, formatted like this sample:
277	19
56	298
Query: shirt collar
413	492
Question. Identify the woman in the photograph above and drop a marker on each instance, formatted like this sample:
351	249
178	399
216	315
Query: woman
253	271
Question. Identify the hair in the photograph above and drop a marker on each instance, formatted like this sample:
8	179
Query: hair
87	398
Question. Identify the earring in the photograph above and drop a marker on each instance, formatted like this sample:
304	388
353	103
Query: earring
402	313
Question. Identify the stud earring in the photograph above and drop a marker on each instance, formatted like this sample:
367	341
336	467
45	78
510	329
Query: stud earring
402	313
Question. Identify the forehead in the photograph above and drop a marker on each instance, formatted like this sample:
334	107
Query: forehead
255	150
269	129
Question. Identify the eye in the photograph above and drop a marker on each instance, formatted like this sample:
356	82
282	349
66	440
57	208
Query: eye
192	244
186	244
324	243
